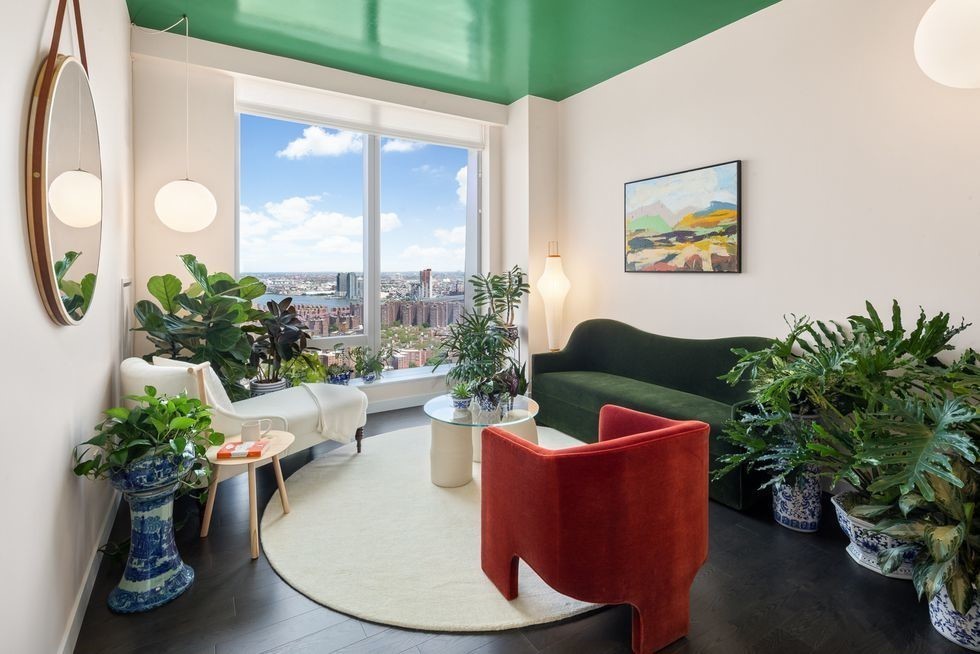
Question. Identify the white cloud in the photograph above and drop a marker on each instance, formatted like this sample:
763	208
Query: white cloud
389	222
252	224
461	185
319	142
438	258
454	236
401	145
428	169
290	210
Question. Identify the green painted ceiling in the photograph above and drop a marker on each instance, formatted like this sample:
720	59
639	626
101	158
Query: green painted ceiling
498	50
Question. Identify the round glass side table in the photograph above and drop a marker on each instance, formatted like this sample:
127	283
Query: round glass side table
457	435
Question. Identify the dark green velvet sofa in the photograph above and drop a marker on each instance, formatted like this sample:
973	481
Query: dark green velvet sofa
609	362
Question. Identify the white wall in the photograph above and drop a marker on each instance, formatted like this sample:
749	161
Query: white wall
529	214
57	379
158	158
859	173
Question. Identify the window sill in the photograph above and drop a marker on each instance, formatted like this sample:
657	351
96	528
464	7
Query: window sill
406	375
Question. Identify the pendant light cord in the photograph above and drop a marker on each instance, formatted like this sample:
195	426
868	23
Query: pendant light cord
187	97
187	93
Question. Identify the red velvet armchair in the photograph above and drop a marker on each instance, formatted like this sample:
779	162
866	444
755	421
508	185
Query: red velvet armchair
621	521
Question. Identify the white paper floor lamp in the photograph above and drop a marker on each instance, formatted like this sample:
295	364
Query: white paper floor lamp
553	287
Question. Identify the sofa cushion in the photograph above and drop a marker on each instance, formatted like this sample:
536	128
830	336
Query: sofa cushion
593	390
294	405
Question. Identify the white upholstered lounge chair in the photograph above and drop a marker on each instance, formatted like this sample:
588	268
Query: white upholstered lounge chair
312	412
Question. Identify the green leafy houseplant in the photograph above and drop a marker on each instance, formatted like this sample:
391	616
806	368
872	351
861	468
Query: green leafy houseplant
479	352
211	320
285	339
816	393
165	426
461	391
500	294
368	362
307	368
76	296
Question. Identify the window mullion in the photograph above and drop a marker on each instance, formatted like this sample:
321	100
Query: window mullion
372	240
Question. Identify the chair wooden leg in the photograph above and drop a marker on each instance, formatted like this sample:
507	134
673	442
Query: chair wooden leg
282	485
661	622
253	512
359	436
209	506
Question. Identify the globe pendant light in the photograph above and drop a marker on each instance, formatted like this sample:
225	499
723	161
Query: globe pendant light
75	196
947	45
553	287
184	205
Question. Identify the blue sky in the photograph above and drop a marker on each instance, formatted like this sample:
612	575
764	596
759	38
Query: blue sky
301	195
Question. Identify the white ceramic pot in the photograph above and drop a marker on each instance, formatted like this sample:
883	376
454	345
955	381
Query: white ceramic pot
866	543
964	630
261	388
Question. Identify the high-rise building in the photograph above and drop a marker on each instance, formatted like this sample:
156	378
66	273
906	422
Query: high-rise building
425	281
343	284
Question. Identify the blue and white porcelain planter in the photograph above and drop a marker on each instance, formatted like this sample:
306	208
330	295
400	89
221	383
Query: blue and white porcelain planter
341	379
155	573
866	543
964	630
797	506
370	377
462	403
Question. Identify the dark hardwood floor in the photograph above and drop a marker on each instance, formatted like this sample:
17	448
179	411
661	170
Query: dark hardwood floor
763	589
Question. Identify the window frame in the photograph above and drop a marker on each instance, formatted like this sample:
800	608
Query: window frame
371	234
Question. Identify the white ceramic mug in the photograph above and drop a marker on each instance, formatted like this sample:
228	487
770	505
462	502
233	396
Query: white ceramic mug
253	430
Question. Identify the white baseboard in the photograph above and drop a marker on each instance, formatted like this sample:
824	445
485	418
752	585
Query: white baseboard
377	406
81	599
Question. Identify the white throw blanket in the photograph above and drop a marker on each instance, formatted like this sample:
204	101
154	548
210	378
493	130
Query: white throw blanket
343	410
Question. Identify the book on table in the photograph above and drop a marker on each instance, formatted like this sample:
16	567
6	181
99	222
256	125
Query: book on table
244	450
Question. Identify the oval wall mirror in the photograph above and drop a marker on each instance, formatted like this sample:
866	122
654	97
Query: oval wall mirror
64	170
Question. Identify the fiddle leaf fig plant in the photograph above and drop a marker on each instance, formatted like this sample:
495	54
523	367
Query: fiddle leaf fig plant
211	320
76	296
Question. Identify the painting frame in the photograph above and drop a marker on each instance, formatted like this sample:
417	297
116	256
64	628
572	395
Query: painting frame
738	268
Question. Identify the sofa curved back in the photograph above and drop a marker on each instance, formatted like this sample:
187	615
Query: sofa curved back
685	364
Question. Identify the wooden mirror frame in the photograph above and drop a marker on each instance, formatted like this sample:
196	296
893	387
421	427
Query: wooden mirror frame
36	168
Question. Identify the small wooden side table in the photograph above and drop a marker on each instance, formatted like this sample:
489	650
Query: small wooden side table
281	440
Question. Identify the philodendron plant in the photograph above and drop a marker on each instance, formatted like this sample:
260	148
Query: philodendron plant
157	425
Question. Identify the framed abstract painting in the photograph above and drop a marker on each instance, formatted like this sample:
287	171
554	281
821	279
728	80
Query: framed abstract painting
689	221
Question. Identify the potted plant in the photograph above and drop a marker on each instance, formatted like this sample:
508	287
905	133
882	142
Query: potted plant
368	365
501	294
283	340
462	397
148	452
938	487
211	320
307	368
479	353
835	381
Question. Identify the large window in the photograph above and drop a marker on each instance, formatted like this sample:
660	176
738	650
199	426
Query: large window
368	234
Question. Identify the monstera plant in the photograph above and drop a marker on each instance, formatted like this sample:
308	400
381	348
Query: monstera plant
211	320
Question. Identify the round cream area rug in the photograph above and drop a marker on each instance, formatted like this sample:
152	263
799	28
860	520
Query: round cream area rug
369	535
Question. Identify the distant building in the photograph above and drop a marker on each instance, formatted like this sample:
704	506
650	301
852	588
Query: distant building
425	282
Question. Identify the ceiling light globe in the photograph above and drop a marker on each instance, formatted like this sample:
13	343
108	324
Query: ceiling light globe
75	198
185	206
947	47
